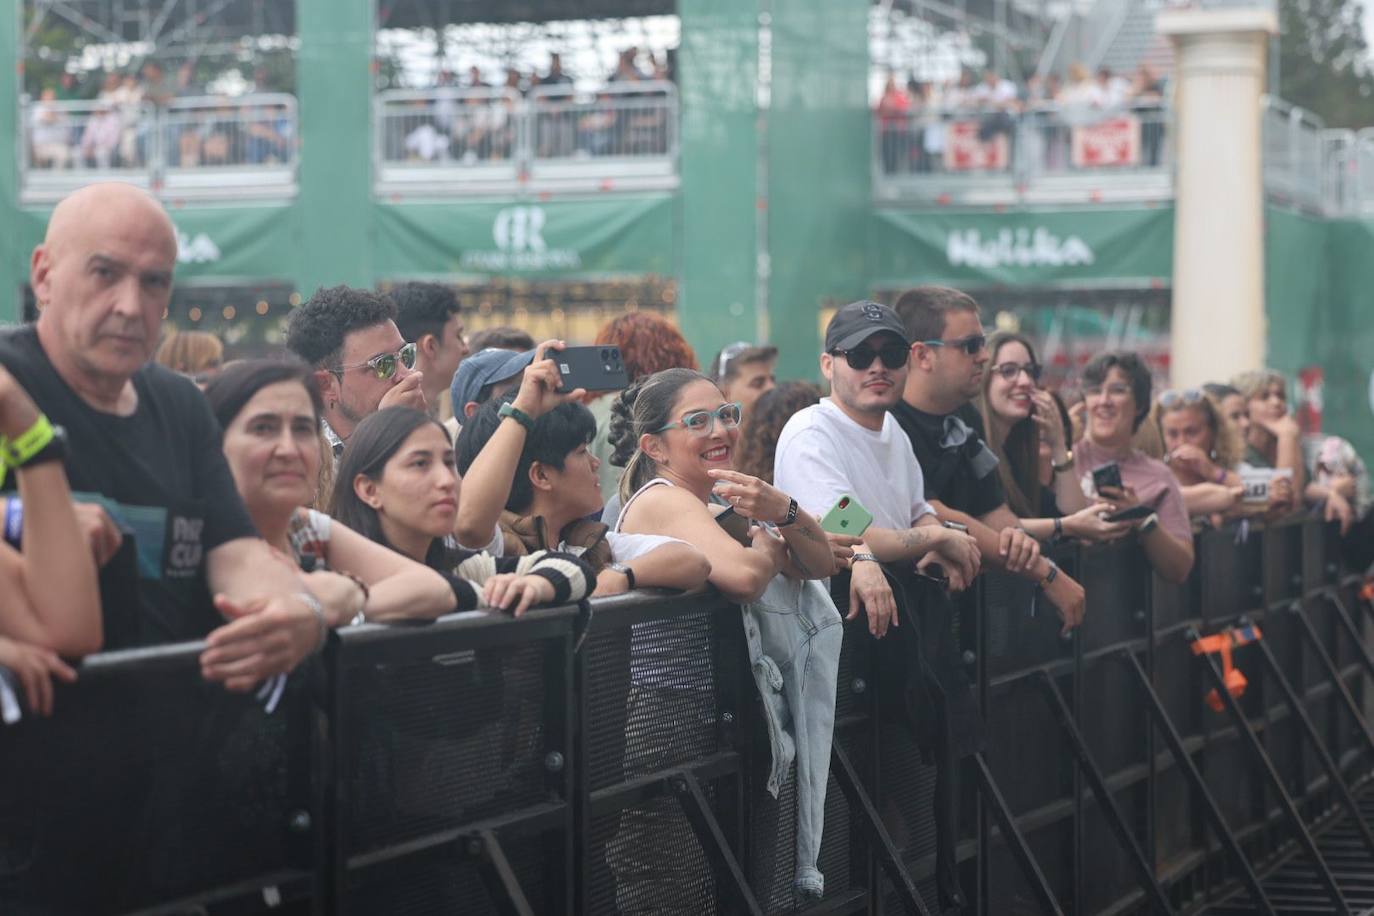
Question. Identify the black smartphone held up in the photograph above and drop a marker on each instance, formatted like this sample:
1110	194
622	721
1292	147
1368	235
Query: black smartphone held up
1135	513
735	525
1107	475
592	368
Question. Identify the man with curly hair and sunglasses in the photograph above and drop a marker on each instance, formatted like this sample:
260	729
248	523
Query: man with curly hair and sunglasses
361	361
949	357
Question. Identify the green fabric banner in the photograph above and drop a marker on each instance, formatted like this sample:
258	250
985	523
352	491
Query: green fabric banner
564	239
1022	247
229	243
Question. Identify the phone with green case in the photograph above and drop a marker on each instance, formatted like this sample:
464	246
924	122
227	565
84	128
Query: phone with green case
847	517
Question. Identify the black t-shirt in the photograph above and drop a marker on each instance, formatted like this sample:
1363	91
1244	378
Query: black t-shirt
962	475
162	477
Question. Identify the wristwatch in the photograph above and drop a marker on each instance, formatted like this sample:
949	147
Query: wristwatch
791	514
1150	524
1068	463
518	415
625	571
1049	576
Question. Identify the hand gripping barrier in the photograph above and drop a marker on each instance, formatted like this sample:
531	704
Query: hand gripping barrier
612	758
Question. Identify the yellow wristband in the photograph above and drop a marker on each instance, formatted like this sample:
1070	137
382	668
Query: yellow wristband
15	452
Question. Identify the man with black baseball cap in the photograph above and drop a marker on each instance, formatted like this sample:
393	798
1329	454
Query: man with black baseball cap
850	447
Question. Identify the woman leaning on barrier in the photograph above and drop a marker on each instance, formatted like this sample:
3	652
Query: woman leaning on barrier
1116	392
675	435
49	599
1028	431
1203	450
270	415
397	486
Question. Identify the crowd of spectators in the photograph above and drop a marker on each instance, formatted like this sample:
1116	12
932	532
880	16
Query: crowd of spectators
119	120
914	117
324	489
477	120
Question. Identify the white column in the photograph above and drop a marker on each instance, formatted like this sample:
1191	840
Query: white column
1218	326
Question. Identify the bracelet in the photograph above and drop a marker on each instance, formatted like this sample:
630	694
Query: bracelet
1221	475
518	415
31	446
1061	468
625	571
313	603
1058	529
791	514
361	616
863	557
14	522
1049	576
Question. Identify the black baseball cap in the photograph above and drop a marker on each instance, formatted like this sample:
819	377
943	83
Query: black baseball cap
857	321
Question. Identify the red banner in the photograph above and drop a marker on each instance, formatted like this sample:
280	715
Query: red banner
965	152
1113	143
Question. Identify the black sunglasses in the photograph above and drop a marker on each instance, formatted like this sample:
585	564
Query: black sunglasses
894	356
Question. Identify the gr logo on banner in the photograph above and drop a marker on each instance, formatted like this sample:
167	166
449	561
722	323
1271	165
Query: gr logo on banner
519	229
520	246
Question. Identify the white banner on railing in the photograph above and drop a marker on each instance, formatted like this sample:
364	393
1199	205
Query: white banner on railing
965	151
1113	143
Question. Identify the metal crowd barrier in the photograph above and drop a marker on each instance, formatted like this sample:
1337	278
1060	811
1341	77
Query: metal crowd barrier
611	758
472	141
192	147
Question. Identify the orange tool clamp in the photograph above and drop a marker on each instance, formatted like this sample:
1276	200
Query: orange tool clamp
1224	642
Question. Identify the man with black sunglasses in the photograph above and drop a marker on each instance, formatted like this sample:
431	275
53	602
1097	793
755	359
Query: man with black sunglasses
948	358
361	361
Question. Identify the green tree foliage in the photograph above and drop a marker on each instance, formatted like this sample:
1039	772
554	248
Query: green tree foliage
1324	63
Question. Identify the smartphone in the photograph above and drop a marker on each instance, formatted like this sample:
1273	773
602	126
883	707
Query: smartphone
1107	475
735	525
847	517
592	368
1135	513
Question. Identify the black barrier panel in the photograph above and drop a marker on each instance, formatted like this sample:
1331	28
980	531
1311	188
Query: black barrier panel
1118	587
613	759
1022	628
1115	730
1107	872
1230	571
1283	560
456	725
1009	893
1178	829
659	689
150	785
1030	762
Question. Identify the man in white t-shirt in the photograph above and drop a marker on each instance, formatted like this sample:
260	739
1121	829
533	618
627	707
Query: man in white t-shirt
849	444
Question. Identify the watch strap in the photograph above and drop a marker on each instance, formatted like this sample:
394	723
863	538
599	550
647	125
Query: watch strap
625	571
791	514
1067	463
518	415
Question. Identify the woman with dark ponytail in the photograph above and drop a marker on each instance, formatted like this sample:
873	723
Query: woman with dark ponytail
675	435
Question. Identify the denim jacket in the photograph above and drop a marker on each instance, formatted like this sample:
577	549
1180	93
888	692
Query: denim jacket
794	635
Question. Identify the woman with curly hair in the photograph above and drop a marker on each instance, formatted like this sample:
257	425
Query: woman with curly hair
758	439
648	343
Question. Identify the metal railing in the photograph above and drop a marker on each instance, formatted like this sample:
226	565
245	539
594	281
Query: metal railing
458	141
209	147
978	154
605	758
